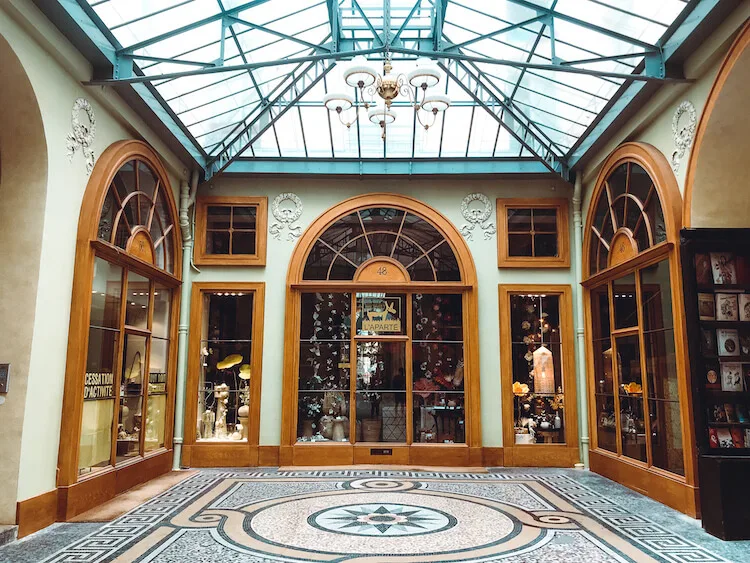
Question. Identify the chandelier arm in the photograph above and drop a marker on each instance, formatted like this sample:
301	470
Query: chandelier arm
419	118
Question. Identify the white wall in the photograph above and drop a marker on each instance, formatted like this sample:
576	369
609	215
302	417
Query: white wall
56	70
444	195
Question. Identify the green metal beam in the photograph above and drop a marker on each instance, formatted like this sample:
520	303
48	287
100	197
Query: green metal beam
586	25
195	25
438	19
334	19
315	46
386	167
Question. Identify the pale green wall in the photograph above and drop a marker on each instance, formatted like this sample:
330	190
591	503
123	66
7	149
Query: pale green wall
55	71
445	195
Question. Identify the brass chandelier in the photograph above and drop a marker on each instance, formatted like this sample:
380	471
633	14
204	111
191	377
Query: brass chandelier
388	86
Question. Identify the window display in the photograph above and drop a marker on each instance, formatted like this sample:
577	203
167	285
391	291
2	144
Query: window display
128	362
224	381
722	303
538	387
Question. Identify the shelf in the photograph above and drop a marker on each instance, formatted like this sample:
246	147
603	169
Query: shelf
730	424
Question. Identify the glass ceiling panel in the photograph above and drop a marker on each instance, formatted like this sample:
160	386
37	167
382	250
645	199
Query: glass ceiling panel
545	68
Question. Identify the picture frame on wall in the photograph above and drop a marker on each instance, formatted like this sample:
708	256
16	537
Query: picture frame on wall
731	377
728	342
712	375
706	307
703	275
727	308
708	342
744	306
724	268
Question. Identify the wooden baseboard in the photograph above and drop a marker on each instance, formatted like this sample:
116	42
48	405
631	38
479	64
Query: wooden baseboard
493	457
100	487
541	455
648	481
36	513
268	456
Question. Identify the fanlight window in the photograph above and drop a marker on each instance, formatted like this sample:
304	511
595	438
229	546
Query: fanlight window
381	231
136	208
628	208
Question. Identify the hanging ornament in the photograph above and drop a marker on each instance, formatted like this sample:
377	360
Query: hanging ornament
544	371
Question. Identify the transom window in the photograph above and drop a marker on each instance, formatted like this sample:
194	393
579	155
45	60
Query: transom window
403	236
134	204
628	218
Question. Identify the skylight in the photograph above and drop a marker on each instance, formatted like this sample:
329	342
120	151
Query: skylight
526	78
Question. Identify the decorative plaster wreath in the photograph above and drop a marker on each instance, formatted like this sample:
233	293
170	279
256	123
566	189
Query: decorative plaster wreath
82	136
683	136
285	216
477	216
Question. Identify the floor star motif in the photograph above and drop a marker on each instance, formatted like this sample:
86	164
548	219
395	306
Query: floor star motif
382	520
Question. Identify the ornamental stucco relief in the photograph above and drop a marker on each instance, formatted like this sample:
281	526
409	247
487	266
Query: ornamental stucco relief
286	209
684	122
82	135
477	209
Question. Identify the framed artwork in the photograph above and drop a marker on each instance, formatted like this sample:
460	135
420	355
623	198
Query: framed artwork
728	342
712	371
706	306
731	377
723	268
703	275
727	308
708	342
744	306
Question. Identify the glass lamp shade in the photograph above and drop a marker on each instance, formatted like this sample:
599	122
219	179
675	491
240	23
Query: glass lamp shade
426	73
544	371
360	71
436	102
335	101
377	115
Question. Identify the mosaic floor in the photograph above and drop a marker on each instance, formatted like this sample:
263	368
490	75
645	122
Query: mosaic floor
524	516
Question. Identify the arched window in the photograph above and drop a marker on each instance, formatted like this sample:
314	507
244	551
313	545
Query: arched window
386	232
381	306
638	380
628	217
122	343
136	212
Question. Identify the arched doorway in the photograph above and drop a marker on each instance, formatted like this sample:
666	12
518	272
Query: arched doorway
641	422
380	344
718	161
23	196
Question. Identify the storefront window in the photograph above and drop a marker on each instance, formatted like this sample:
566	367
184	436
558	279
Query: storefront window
224	383
126	380
377	365
538	388
635	378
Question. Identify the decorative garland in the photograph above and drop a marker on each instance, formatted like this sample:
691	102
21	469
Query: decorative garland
477	216
286	216
683	136
82	136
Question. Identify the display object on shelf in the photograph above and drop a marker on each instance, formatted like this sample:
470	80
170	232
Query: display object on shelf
721	416
537	388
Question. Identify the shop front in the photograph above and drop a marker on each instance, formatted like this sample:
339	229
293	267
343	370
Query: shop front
381	354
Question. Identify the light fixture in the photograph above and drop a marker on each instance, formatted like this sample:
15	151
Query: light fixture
388	86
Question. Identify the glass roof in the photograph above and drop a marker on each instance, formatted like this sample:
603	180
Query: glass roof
526	78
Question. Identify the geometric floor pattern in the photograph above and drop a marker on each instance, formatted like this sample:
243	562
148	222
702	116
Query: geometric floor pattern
269	516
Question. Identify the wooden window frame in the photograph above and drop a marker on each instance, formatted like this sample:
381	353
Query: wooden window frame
505	260
456	455
679	492
565	454
224	454
78	493
203	258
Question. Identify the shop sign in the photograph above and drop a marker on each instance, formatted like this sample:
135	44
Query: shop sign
157	383
384	316
98	386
